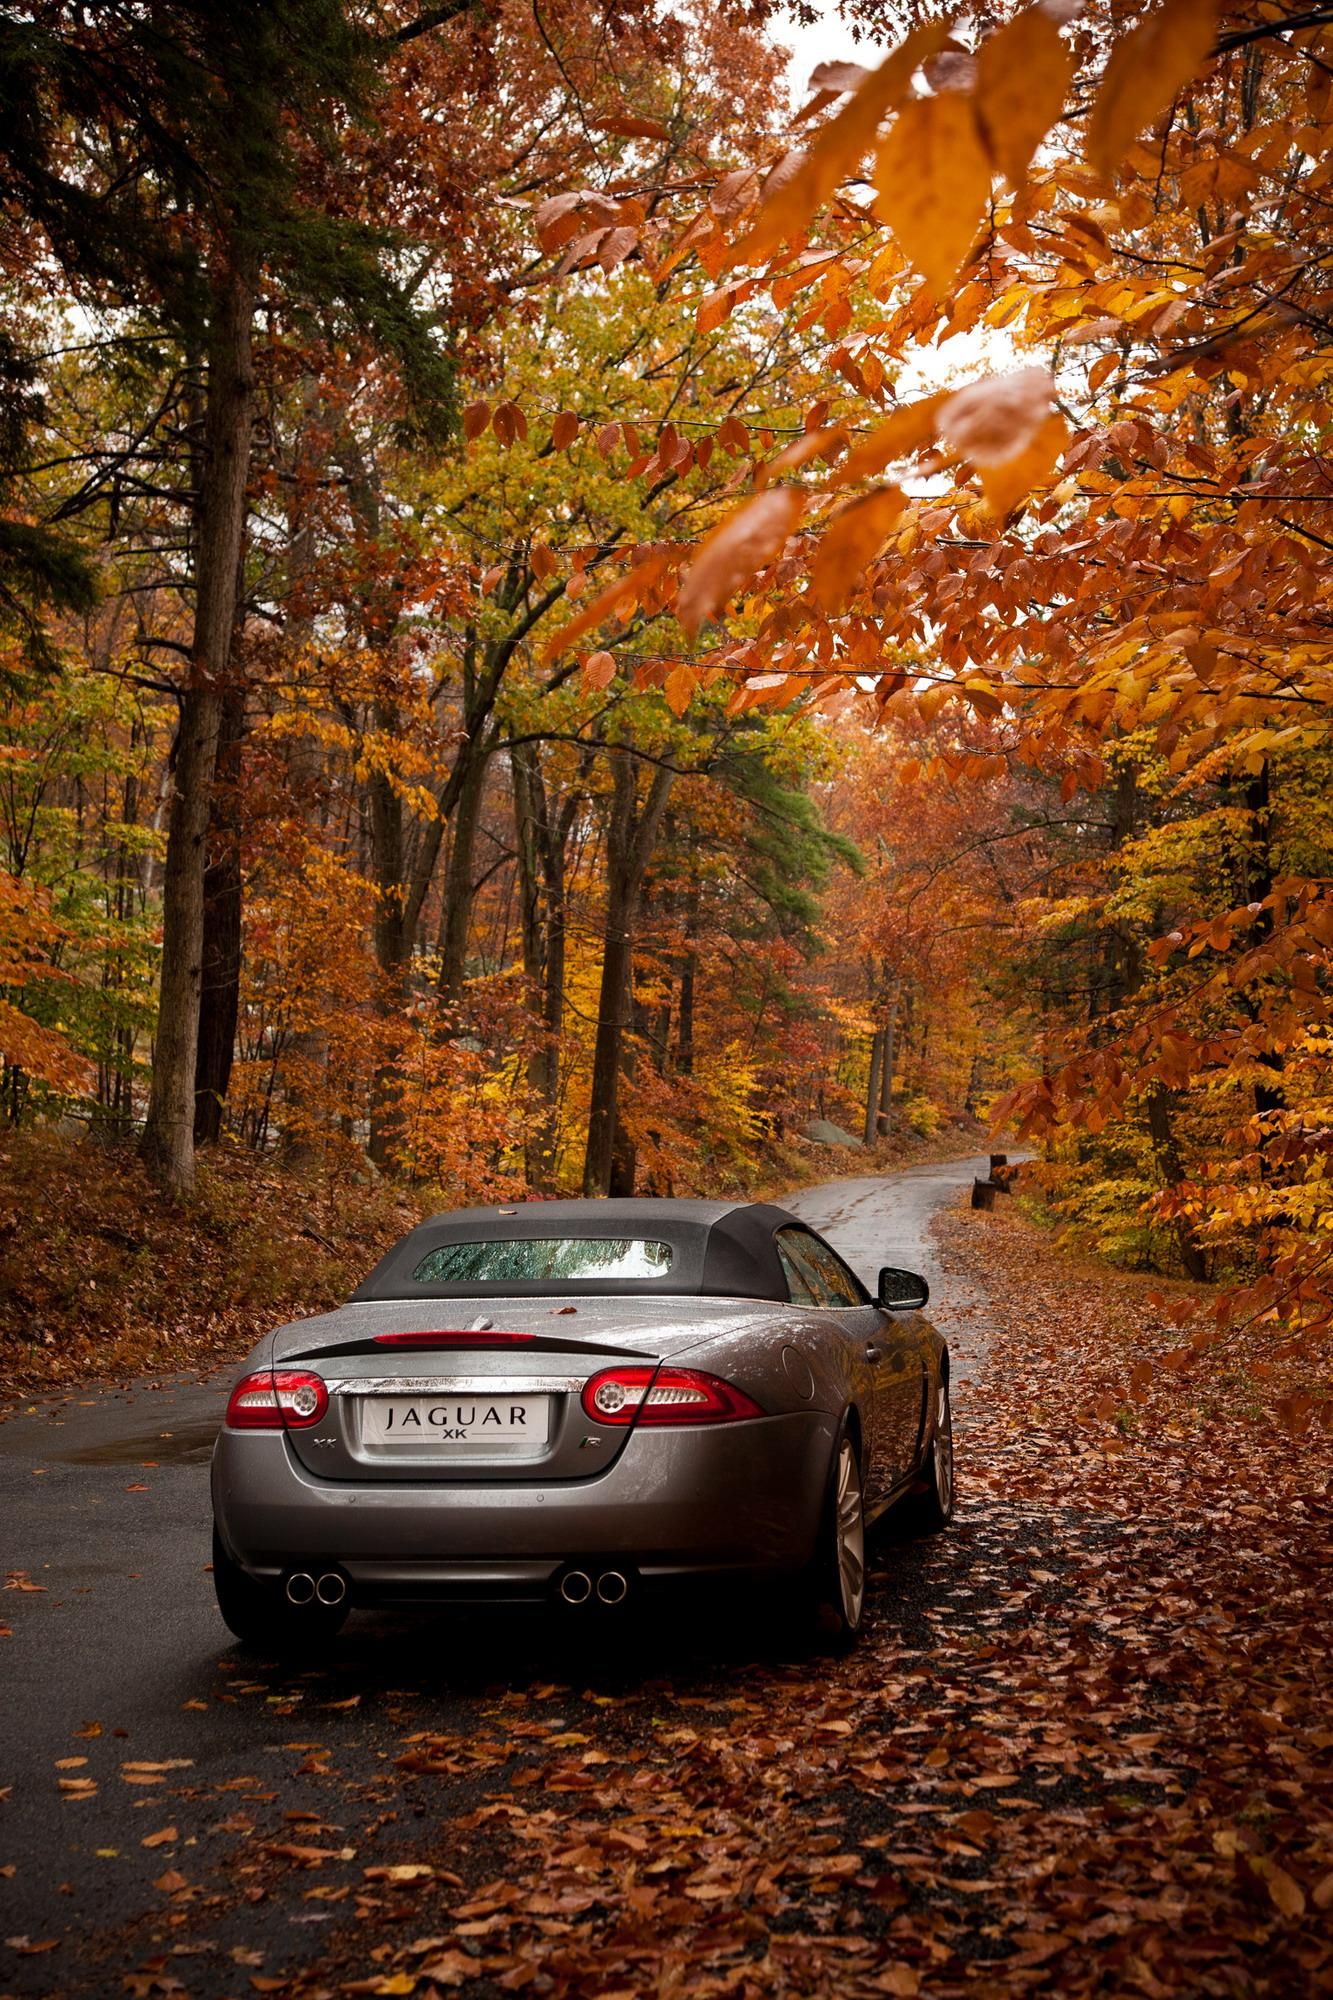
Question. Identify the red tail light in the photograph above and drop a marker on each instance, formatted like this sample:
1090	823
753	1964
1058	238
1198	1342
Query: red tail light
664	1396
451	1339
277	1399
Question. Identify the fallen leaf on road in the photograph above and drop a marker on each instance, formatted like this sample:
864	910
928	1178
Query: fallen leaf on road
161	1838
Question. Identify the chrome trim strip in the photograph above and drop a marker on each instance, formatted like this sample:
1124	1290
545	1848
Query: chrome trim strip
454	1385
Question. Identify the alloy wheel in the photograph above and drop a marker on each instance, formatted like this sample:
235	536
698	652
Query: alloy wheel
943	1452
851	1532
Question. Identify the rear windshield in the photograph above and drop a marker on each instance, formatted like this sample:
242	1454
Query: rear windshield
533	1258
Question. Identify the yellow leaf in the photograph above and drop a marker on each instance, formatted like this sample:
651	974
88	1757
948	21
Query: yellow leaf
1023	73
933	178
851	540
1144	73
731	554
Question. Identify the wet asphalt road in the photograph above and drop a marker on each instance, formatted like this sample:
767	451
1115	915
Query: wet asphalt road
117	1658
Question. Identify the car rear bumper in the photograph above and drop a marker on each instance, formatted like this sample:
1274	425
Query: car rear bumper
742	1498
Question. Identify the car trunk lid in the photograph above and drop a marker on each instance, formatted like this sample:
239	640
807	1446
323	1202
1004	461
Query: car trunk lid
480	1390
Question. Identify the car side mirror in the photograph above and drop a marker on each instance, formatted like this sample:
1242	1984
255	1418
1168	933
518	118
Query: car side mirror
902	1291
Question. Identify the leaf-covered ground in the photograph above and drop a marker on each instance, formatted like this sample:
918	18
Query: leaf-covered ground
1083	1748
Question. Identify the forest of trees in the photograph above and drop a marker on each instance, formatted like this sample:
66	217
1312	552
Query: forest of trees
475	699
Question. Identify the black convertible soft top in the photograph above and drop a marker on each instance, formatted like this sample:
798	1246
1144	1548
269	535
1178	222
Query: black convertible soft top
724	1249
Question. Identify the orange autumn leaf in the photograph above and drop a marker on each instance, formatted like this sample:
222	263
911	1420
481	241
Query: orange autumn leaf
599	670
1024	71
994	418
1009	482
907	430
852	539
679	687
616	597
1145	71
729	557
564	430
933	179
804	181
825	443
628	126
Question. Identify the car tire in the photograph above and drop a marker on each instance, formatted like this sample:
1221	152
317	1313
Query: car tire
264	1621
837	1578
927	1510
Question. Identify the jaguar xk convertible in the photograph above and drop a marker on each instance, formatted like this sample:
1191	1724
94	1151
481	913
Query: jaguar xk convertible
580	1401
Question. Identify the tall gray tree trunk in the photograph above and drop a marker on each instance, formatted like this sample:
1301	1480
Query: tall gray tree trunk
629	846
541	869
888	1055
167	1145
873	1087
459	887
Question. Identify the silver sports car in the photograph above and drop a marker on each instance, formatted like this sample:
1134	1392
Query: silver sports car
579	1401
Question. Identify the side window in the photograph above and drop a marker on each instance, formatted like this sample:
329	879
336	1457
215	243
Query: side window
824	1272
798	1286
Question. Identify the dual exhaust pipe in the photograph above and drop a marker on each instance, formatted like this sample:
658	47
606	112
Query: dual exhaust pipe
577	1587
328	1588
610	1587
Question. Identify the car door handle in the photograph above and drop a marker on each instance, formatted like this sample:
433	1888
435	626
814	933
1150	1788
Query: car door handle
872	1352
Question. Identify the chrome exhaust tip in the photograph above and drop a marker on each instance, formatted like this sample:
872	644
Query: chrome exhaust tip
300	1587
612	1587
331	1588
576	1586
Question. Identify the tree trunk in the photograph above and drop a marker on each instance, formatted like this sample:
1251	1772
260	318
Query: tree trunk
688	974
220	989
392	949
629	846
459	888
541	872
1166	1153
1268	1097
885	1120
873	1086
168	1137
305	1059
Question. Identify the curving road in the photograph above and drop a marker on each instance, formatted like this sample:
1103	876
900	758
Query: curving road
116	1658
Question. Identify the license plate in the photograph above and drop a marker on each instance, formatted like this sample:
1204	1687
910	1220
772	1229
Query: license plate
461	1422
